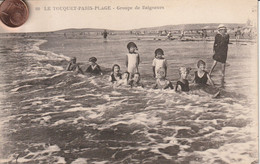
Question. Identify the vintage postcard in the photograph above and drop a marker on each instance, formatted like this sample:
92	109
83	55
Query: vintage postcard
129	81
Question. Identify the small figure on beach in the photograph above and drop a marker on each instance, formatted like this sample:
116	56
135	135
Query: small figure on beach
204	34
201	77
105	33
220	49
74	66
132	59
94	68
125	79
169	35
135	82
161	81
159	62
115	75
182	34
183	83
237	33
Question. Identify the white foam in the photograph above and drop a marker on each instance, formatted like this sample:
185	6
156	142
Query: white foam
95	115
76	105
59	122
17	88
100	162
61	160
36	102
239	153
40	155
115	93
80	161
59	68
78	109
77	119
6	160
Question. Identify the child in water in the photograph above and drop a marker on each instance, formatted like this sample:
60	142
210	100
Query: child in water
115	75
94	67
135	82
73	66
132	59
201	77
161	81
159	62
125	79
183	83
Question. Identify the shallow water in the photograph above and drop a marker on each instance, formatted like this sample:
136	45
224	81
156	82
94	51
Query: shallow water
49	115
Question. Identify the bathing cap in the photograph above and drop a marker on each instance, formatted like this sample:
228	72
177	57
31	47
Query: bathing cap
93	59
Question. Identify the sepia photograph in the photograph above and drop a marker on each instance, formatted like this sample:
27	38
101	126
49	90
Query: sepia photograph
129	81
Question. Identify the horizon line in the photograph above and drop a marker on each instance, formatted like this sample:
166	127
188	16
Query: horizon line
97	28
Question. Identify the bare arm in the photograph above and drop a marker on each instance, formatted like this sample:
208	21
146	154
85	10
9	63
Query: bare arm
165	71
177	87
170	85
210	80
193	80
79	70
110	79
68	67
138	59
126	61
155	86
138	62
153	71
99	69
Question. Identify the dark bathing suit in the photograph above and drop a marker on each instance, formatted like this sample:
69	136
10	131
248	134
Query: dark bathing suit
220	48
201	80
72	67
167	85
96	69
184	86
134	84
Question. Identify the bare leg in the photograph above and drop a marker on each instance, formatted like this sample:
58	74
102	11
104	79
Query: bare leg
223	74
222	82
213	66
223	69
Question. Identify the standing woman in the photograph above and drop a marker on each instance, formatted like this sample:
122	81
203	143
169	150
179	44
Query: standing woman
220	48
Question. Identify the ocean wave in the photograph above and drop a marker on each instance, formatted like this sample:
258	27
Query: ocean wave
55	116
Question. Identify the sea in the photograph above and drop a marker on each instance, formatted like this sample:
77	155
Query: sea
50	115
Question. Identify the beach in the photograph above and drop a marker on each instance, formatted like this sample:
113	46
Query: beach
49	115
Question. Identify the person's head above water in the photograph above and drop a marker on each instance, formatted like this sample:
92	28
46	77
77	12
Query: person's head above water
73	59
136	77
126	75
131	46
116	68
161	73
201	65
183	71
158	53
93	59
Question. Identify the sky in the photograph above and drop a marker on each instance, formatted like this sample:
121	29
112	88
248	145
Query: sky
172	12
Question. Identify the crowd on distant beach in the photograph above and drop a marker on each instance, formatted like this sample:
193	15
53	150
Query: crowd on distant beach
132	76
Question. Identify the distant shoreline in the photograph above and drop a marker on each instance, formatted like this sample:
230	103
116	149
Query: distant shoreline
132	37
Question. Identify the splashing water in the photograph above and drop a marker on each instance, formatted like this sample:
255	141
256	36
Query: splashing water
49	115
